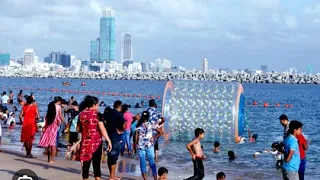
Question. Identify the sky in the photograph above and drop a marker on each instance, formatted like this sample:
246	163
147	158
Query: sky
233	34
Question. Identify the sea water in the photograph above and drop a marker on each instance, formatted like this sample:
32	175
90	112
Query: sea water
263	121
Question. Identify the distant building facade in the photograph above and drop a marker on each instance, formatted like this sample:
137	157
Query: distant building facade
94	50
28	57
107	35
4	59
126	47
205	67
65	60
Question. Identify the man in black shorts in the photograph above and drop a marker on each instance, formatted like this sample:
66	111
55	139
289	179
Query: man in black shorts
115	125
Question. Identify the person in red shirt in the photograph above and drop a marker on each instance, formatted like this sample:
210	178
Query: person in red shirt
303	146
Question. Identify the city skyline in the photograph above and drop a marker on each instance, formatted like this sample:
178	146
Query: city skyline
231	34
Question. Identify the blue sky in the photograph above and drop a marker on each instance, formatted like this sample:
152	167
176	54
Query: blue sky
230	33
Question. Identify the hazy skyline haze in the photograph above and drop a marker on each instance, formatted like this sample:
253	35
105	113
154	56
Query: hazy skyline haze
233	34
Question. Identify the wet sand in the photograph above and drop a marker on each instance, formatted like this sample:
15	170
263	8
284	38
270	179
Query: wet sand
12	161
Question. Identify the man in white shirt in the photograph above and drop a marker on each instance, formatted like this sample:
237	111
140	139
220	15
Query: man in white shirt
5	99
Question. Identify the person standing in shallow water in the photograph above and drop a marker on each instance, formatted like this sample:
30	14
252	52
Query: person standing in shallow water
29	114
291	162
92	130
285	123
128	116
144	143
115	125
303	146
195	149
11	97
53	120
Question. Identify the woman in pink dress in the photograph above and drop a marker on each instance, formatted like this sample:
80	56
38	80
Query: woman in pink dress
53	120
92	129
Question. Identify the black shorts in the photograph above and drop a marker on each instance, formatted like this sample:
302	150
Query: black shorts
156	145
73	137
113	155
11	101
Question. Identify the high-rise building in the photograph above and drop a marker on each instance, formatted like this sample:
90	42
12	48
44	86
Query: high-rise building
55	58
144	67
65	60
205	65
98	40
107	35
4	59
28	57
94	46
126	47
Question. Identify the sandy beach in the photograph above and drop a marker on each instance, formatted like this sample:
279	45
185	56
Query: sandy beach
11	162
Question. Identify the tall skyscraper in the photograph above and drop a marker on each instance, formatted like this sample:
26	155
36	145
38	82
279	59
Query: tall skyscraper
126	47
28	57
107	35
94	46
205	65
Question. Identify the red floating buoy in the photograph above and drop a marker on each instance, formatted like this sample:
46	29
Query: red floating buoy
254	103
278	105
265	104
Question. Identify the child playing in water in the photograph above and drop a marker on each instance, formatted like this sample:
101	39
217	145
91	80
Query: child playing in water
11	121
194	147
162	173
252	139
216	148
277	150
221	176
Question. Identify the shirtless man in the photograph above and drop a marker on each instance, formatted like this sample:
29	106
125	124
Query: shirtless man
195	149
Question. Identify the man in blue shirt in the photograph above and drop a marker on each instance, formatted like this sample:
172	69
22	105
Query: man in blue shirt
292	155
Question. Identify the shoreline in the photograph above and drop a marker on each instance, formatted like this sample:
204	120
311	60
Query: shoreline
15	161
269	78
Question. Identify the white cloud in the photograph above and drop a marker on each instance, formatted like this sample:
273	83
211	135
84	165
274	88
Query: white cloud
267	4
234	36
291	22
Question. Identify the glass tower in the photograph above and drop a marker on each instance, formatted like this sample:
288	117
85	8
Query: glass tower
107	35
94	45
4	59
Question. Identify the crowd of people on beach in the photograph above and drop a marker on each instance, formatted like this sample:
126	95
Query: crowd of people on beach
85	128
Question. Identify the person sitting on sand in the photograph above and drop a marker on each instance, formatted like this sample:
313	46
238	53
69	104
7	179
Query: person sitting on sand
216	148
221	176
162	173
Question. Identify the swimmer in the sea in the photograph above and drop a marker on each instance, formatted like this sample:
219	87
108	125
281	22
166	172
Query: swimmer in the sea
231	155
252	139
216	148
194	147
